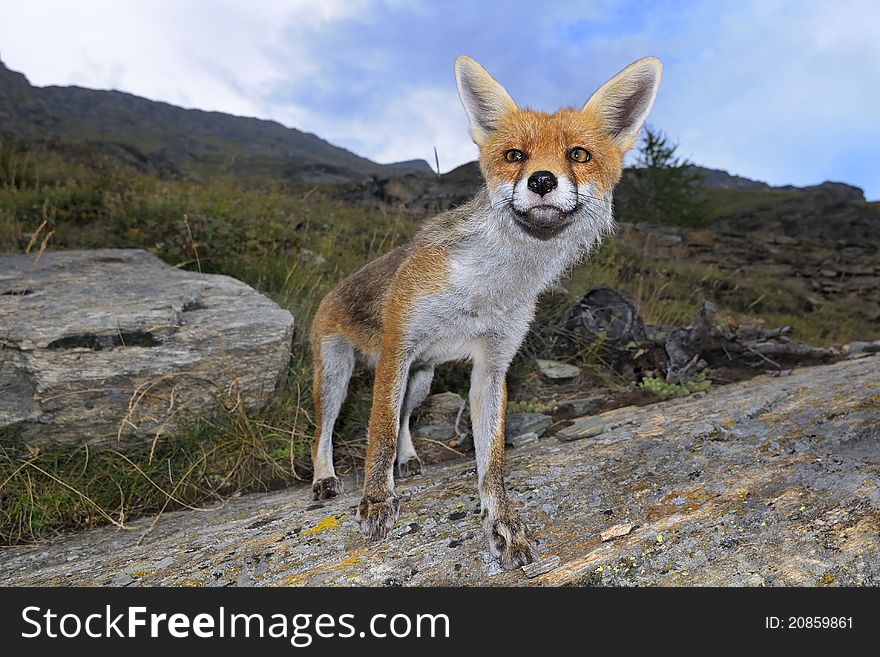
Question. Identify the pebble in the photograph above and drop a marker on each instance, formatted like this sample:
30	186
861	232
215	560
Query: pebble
541	567
557	371
583	428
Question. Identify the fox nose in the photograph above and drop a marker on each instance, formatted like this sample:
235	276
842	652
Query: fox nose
542	182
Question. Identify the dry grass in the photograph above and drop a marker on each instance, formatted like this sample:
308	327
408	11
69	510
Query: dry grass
260	235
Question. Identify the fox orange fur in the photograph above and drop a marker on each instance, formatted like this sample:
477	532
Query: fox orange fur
466	286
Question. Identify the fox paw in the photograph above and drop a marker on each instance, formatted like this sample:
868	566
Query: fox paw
509	540
324	489
409	468
378	516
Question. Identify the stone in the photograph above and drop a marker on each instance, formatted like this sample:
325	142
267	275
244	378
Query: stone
773	269
569	408
860	348
604	313
435	418
521	439
442	406
855	269
113	347
863	283
616	531
804	506
870	310
586	427
555	370
523	428
541	567
436	431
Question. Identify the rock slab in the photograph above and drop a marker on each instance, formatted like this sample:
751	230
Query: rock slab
113	347
774	481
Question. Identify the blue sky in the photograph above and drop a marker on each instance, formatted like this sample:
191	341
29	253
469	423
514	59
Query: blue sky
786	92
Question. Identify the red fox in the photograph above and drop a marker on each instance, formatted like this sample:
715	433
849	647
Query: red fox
466	286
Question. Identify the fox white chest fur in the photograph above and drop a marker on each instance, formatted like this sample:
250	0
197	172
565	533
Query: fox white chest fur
494	280
467	285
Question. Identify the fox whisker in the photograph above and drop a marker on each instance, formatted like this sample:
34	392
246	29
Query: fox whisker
593	198
502	202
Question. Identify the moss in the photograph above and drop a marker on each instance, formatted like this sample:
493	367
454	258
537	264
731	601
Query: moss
531	406
666	390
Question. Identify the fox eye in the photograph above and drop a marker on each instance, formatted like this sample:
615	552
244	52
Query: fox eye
514	155
578	154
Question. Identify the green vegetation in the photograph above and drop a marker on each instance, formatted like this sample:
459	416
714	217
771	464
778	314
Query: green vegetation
175	141
270	236
666	390
663	189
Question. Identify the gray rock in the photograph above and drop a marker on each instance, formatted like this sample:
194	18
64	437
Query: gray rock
541	567
860	349
442	406
517	425
120	579
855	268
799	510
577	407
584	428
871	310
863	283
521	439
604	313
555	370
435	431
114	347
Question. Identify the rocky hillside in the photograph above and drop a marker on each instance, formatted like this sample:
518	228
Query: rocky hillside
829	211
171	140
819	269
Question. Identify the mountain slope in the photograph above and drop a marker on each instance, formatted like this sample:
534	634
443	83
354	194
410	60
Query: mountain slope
173	140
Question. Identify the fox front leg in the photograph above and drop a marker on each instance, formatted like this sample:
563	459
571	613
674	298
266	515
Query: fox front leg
379	506
509	540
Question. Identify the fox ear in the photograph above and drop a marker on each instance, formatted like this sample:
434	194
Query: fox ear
623	103
484	100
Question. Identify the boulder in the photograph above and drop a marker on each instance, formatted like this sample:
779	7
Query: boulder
605	313
569	408
114	348
860	349
554	370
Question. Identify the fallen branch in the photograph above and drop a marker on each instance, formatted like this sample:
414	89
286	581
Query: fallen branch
682	353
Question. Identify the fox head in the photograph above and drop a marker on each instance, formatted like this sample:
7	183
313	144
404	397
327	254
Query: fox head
549	171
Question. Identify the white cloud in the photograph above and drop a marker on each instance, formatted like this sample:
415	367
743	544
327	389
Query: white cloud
778	91
210	55
408	126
